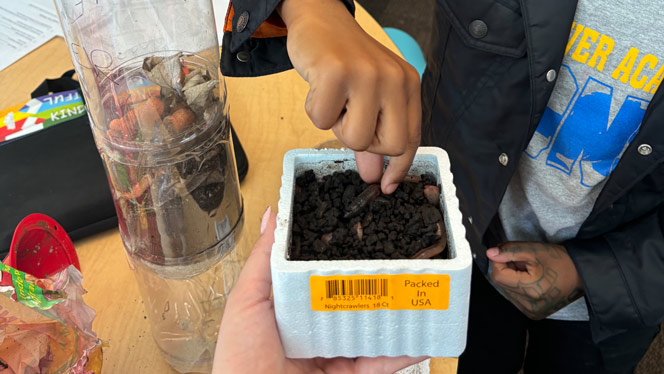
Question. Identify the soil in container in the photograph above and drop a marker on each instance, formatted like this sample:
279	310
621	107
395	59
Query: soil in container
339	217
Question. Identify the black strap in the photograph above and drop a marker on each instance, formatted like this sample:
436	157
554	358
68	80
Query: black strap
64	83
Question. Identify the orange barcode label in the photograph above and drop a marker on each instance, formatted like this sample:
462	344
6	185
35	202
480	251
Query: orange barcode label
383	291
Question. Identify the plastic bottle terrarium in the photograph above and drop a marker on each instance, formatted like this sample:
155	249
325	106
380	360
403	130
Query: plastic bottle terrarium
157	105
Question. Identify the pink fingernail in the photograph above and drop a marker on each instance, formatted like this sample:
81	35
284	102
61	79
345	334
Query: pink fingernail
491	252
391	188
266	217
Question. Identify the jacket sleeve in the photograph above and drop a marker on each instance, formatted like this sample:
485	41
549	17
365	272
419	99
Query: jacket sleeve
623	274
254	41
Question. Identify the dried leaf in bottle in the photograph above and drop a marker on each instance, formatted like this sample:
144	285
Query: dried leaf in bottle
212	112
208	192
195	77
165	71
197	96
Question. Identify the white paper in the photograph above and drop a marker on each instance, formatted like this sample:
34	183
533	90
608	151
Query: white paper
220	8
24	26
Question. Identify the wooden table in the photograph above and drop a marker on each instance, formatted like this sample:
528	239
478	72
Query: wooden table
268	115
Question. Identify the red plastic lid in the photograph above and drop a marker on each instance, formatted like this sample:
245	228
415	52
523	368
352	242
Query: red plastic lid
41	247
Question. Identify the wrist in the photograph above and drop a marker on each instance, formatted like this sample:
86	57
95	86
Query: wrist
575	272
293	11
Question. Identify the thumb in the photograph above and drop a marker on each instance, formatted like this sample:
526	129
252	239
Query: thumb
507	253
255	280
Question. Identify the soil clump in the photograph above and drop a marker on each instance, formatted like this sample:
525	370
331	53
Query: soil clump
339	217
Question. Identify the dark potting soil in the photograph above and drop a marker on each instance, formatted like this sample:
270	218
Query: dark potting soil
327	224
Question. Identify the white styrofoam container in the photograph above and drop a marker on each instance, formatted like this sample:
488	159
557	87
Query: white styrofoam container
306	333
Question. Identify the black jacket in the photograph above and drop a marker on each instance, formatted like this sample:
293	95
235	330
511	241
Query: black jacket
483	97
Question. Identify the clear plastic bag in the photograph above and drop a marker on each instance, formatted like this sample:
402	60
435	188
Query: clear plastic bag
45	326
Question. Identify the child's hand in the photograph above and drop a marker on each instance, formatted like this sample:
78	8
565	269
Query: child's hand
366	94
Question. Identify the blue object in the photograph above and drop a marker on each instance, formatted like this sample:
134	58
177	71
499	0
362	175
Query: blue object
408	47
583	136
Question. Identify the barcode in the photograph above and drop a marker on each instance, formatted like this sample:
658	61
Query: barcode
355	287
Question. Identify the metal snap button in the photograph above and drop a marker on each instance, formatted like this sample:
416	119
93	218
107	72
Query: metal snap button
645	149
243	56
551	75
503	159
242	21
478	29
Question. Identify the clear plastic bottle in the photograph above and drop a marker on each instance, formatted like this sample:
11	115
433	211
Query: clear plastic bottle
157	105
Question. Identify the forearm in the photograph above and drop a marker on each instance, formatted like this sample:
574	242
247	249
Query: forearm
291	10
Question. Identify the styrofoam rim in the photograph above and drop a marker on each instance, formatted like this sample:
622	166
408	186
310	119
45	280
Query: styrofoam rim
453	220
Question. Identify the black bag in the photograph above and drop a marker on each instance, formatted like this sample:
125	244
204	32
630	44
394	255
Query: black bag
57	171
